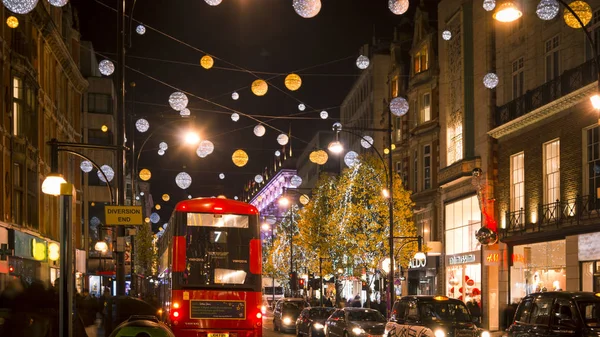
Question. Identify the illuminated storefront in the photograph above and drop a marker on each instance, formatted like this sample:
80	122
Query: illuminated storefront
421	276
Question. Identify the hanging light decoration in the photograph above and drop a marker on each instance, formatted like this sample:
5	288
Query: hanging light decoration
106	67
277	153
235	117
240	158
293	82
154	218
178	101
20	6
283	139
362	62
207	62
489	5
163	146
108	171
547	9
490	80
399	106
337	126
318	157
140	29
161	152
398	7
206	147
366	142
351	158
58	3
157	207
295	181
145	174
259	87
221	176
304	199
446	35
582	9
185	112
183	180
259	130
12	22
213	2
166	197
307	8
86	166
507	12
142	125
324	114
301	107
258	178
235	96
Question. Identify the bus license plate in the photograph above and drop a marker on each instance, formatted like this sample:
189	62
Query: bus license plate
218	335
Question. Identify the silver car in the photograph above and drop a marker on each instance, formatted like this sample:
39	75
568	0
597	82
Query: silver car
355	322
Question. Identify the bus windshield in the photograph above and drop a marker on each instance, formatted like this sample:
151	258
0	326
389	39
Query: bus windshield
217	250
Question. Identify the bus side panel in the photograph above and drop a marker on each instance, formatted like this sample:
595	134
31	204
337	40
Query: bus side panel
251	326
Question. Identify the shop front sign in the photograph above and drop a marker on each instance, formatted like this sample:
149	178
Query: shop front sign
462	259
416	263
29	247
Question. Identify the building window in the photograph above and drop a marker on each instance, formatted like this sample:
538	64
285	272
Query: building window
517	182
32	197
427	167
398	128
420	60
455	144
399	168
552	58
99	137
594	29
18	191
593	161
24	121
394	87
99	103
416	169
425	108
517	78
463	220
552	171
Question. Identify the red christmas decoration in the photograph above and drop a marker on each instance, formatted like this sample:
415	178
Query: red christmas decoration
470	282
476	292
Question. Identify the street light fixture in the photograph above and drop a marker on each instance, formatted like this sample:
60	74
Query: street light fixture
192	138
51	184
335	146
507	11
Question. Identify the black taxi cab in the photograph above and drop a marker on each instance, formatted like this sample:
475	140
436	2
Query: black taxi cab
557	313
432	316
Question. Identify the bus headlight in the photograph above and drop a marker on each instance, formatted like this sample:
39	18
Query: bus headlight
287	321
439	333
319	326
485	334
359	331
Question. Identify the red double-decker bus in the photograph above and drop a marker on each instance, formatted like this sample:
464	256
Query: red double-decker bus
210	264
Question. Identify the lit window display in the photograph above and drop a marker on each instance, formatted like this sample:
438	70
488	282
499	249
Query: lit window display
464	282
537	267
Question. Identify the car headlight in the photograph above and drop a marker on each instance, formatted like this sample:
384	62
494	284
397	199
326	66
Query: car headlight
439	333
359	331
319	326
287	320
485	334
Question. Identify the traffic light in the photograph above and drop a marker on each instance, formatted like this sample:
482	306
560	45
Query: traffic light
301	283
294	280
11	269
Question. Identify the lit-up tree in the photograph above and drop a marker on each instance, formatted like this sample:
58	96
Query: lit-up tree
278	262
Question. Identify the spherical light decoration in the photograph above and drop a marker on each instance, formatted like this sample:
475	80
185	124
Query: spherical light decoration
206	146
207	62
259	87
235	117
398	7
301	107
157	207
235	197
94	221
213	2
178	101
318	157
20	6
486	236
235	96
547	9
283	139
446	35
277	153
366	142
185	112
145	174
258	178
490	80
293	82
582	9
337	126
163	146
304	199
140	29
295	181
307	8
12	22
183	180
399	106
489	5
189	196
259	130
108	171
239	158
161	152
221	176
106	67
154	218
166	197
142	125
362	62
104	128
351	158
324	114
58	3
86	166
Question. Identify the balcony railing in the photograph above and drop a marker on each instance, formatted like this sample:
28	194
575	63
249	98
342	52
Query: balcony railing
553	216
569	81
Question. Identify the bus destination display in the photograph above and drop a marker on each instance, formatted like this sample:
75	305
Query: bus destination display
218	309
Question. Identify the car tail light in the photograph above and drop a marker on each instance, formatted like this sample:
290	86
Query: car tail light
175	314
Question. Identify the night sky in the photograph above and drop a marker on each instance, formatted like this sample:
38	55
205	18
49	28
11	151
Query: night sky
265	37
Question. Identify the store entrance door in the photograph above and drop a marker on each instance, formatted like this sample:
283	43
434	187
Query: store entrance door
596	282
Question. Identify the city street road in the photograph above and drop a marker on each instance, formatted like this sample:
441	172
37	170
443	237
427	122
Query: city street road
268	330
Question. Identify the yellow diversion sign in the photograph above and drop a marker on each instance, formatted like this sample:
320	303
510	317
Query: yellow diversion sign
123	215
